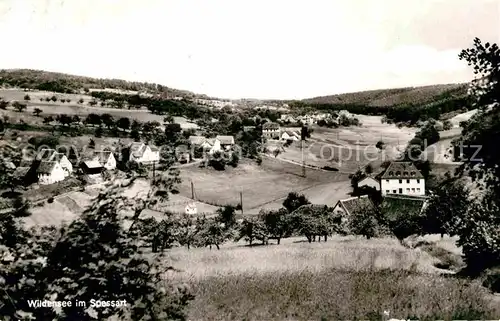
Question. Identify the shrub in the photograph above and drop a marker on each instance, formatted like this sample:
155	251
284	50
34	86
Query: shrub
50	200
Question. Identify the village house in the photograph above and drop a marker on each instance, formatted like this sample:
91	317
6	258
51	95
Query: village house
48	167
92	170
226	142
402	178
290	135
351	206
50	172
106	159
143	154
52	155
271	130
369	181
182	154
214	144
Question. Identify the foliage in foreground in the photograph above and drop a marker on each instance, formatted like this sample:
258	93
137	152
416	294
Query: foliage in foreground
95	257
339	295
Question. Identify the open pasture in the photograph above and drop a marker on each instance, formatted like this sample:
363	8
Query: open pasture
345	278
351	148
260	185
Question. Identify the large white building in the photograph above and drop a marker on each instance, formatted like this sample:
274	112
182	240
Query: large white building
402	178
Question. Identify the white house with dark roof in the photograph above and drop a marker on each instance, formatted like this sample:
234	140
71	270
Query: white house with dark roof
50	172
271	130
143	154
369	181
106	159
51	155
402	178
290	135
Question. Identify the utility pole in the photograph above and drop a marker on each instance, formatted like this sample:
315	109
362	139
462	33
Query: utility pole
192	190
303	159
241	202
154	171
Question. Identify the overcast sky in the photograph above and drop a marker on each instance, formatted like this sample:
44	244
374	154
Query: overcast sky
257	48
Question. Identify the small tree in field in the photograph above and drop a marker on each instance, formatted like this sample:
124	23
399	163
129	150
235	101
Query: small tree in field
19	106
37	111
27	97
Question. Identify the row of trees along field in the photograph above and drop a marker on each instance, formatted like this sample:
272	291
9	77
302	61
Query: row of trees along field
64	83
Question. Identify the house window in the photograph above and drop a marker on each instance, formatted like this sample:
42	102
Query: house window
387	181
394	191
407	190
408	181
387	191
400	181
391	173
398	173
405	173
400	191
418	189
418	181
413	190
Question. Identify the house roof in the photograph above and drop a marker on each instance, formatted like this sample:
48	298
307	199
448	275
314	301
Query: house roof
225	140
46	154
353	204
92	163
368	178
46	167
197	140
21	172
291	133
311	208
395	205
103	156
402	170
271	126
182	149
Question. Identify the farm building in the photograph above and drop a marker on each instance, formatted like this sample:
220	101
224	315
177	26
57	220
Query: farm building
402	178
369	181
143	154
352	205
271	130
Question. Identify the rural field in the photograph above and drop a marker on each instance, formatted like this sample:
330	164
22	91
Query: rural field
73	108
344	278
348	149
264	186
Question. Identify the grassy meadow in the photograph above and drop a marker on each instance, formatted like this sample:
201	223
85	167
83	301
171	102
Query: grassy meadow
266	185
348	149
345	278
